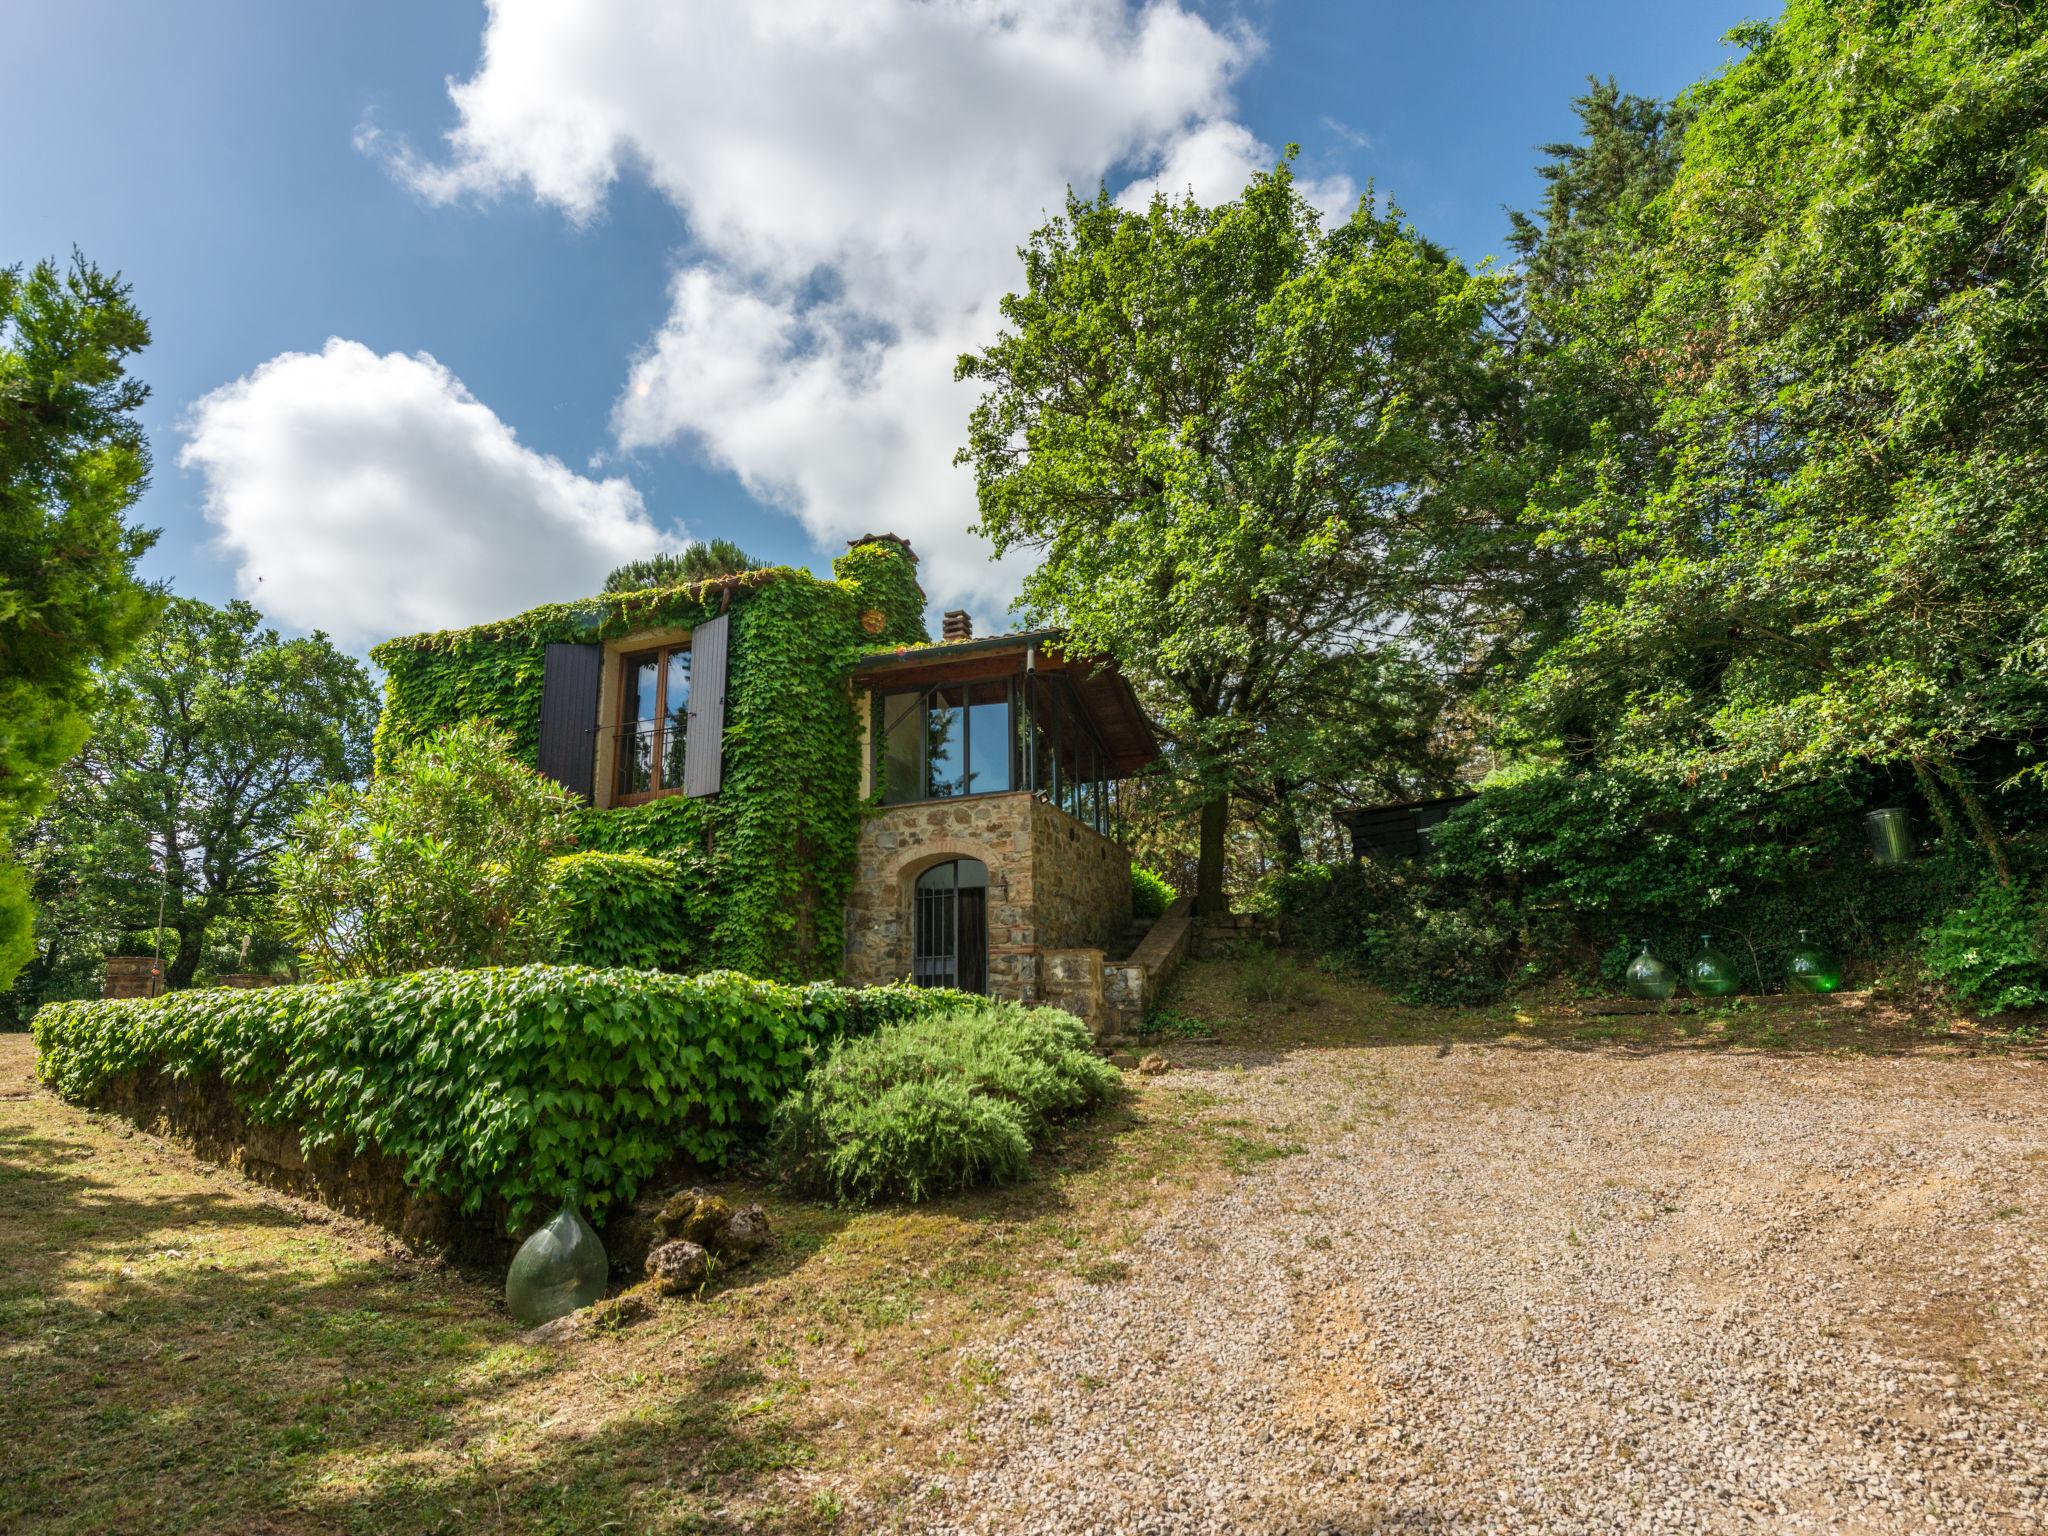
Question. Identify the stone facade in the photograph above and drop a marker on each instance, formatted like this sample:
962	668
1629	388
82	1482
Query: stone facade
133	976
1058	892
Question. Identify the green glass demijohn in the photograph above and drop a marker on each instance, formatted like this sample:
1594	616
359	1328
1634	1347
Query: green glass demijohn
1809	968
1711	973
558	1269
1649	977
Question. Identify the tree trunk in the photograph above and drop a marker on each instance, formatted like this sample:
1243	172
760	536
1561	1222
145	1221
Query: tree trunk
1980	818
1937	802
190	927
1209	899
1288	829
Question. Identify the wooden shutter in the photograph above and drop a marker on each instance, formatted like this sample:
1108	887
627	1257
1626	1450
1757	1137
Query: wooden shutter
704	744
568	715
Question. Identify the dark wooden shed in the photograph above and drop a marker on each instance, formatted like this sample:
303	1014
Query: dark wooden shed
1396	831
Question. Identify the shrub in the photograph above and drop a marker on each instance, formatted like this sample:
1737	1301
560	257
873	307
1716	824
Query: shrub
1269	980
441	860
1993	952
938	1103
624	910
1150	894
504	1083
1429	941
1624	840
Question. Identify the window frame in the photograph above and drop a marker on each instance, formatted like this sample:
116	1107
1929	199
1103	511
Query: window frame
1036	728
625	731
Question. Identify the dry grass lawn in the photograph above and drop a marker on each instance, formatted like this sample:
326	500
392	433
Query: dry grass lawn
183	1351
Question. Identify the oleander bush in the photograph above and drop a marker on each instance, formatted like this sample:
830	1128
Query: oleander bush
938	1102
512	1084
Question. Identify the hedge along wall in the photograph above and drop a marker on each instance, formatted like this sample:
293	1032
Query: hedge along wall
504	1084
770	856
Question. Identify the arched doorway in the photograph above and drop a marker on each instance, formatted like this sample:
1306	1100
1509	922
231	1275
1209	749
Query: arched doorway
949	926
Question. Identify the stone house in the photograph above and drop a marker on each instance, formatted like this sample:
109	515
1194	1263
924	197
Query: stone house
986	769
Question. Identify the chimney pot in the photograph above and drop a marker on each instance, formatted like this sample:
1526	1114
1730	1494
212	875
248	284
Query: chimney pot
956	625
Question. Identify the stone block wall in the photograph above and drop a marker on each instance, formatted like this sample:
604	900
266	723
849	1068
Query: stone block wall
1072	979
902	841
133	976
1081	881
1054	885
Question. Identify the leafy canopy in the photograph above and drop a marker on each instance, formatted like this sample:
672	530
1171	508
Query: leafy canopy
1227	433
73	459
208	741
1839	309
442	859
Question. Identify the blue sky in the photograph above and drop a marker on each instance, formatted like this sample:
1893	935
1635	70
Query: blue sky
689	267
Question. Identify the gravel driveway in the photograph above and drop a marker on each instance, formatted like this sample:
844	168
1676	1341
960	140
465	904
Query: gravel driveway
1489	1288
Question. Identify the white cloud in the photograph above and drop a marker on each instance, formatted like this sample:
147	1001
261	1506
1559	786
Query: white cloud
856	176
372	496
1213	161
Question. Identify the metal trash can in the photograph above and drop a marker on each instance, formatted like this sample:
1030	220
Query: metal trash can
1891	834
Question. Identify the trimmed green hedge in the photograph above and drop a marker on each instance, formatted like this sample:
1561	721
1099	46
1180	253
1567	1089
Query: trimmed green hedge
509	1083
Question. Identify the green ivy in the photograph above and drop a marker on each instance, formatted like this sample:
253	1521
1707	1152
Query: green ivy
766	863
511	1084
625	910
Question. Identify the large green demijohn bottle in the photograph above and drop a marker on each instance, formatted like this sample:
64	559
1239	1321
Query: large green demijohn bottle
1809	968
558	1269
1649	977
1712	973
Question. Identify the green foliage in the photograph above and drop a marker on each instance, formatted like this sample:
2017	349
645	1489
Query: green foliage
695	562
1426	941
509	1085
624	911
767	862
1826	539
938	1103
1643	844
207	741
73	459
1228	432
1150	894
881	577
1993	952
441	860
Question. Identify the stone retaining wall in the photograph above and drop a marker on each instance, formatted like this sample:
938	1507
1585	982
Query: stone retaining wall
201	1113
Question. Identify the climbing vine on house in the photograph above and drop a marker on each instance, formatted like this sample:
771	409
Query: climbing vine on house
766	862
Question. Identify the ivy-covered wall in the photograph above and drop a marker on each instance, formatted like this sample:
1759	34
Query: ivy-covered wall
767	860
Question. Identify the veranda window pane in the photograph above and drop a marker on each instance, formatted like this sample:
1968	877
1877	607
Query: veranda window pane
902	748
988	738
945	753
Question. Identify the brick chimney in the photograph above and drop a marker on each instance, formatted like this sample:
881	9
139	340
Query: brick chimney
956	625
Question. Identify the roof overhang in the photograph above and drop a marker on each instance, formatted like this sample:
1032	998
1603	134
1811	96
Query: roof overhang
1105	693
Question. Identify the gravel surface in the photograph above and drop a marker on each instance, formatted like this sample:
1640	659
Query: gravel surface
1498	1289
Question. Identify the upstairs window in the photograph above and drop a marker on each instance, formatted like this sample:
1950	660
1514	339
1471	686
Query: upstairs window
654	715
